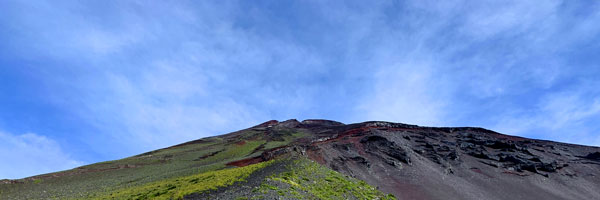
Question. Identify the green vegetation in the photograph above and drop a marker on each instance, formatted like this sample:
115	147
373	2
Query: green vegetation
177	188
287	137
306	179
206	155
234	152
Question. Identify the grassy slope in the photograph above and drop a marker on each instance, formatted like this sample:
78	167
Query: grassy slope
305	179
302	179
177	188
198	167
138	170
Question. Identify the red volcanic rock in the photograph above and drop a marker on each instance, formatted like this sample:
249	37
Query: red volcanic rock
267	124
414	162
245	162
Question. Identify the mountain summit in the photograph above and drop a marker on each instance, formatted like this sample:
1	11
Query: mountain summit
324	159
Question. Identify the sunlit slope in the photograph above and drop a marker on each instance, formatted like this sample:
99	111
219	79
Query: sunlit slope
186	159
322	159
285	178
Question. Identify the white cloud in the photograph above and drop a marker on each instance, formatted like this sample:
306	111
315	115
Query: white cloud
407	93
157	75
508	18
484	62
568	108
560	116
183	75
30	154
101	42
163	105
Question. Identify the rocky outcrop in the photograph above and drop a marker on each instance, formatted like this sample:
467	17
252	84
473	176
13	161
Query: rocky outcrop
381	147
440	163
320	122
593	156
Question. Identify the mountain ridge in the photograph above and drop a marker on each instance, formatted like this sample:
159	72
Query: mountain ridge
403	160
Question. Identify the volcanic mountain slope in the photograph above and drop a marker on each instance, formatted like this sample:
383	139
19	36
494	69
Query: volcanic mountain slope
321	159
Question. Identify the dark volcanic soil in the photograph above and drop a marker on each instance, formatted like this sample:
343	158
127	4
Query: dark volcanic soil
244	189
408	161
414	162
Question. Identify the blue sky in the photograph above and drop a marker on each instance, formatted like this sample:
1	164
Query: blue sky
95	81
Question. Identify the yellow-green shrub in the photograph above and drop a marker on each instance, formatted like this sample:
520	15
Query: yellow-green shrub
178	187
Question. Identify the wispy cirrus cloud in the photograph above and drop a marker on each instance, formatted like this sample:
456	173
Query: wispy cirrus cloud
137	76
185	75
566	116
508	67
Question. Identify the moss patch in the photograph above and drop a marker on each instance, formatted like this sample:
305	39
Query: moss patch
176	188
306	179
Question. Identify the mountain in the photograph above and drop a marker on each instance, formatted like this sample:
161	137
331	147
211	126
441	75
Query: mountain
322	159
